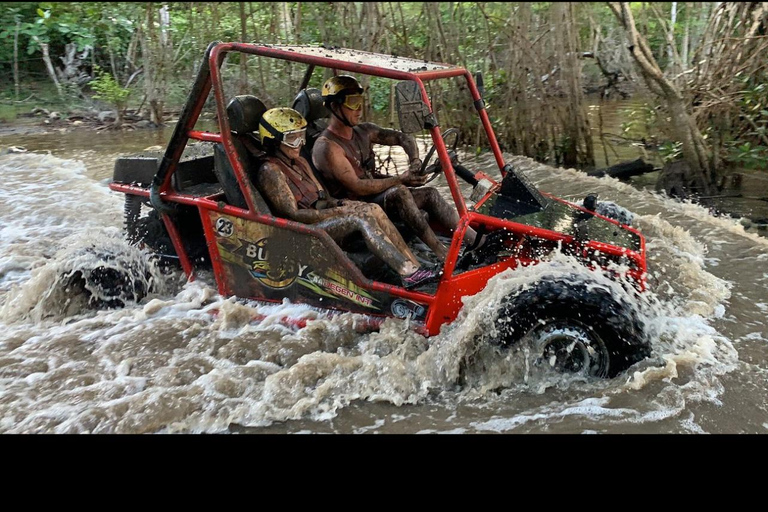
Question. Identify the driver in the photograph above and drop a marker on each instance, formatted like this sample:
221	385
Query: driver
291	189
343	153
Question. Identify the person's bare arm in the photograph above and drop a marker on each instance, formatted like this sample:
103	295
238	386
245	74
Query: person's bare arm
329	157
379	135
389	137
274	186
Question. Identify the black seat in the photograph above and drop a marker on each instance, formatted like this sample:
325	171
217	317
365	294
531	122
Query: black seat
309	103
244	113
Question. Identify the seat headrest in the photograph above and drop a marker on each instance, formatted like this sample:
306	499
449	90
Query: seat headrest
309	103
244	113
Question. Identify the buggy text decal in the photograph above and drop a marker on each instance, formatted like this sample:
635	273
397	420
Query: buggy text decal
337	286
273	276
287	271
277	269
224	227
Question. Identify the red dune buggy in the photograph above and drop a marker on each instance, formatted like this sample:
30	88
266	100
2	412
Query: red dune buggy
196	203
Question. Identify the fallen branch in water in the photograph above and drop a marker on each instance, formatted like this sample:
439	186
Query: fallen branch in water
624	170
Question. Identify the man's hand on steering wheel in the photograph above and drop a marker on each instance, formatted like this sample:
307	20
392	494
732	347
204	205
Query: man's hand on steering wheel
412	178
415	166
434	169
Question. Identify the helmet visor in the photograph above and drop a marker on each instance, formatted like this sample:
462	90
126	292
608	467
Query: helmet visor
353	101
295	138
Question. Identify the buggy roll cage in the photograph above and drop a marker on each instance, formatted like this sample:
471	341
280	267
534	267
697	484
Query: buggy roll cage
162	196
419	73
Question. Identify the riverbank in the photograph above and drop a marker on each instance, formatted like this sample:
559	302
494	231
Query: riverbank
41	121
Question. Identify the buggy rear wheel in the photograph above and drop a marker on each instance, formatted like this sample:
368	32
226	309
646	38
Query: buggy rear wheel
107	276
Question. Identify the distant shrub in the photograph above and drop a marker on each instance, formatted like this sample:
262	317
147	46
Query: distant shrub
107	89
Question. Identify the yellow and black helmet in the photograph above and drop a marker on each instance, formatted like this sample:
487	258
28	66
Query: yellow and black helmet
336	88
283	125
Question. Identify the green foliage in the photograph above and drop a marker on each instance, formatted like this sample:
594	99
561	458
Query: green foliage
479	37
671	151
108	89
745	138
749	156
378	92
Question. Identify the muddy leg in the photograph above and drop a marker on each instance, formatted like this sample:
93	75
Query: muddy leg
400	200
375	239
376	216
430	200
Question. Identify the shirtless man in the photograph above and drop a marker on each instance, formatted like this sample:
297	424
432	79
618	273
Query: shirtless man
292	191
343	154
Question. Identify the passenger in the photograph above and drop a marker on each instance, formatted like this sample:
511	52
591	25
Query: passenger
288	184
343	154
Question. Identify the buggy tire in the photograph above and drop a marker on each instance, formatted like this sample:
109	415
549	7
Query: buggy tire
115	288
574	328
109	281
150	230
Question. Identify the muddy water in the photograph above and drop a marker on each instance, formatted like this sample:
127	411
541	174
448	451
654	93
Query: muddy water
746	190
187	360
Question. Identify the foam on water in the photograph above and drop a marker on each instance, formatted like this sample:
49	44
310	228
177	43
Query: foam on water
187	360
43	201
172	366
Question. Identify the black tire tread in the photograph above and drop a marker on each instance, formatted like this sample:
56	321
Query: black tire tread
615	321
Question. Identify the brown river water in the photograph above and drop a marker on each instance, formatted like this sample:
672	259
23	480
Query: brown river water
168	365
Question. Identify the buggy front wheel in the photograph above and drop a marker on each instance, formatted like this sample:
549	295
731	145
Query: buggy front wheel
573	327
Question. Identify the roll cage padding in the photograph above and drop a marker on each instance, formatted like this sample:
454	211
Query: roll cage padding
309	103
244	113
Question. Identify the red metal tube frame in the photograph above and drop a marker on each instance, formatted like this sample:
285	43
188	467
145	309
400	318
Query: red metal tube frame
216	58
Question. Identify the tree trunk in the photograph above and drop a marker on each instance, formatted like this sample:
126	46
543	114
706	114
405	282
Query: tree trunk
16	60
166	52
243	57
577	147
526	143
687	35
260	62
112	64
695	150
286	34
297	23
130	55
671	35
320	17
49	65
93	63
118	117
365	24
624	170
215	12
405	30
157	52
286	28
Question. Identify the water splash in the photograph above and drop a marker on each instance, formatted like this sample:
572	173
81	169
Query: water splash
188	360
103	272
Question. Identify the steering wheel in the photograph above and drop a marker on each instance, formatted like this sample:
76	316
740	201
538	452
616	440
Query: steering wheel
434	170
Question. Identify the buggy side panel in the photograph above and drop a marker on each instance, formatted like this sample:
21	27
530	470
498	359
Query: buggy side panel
271	263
